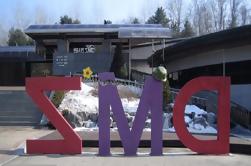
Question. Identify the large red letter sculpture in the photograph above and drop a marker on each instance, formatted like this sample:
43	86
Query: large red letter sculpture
222	85
72	143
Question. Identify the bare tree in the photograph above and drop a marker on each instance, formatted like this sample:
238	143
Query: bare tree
3	36
249	19
202	17
40	17
218	9
234	11
22	19
196	16
222	13
207	17
244	14
174	10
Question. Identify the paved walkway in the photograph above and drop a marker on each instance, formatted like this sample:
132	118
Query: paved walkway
12	154
172	159
12	140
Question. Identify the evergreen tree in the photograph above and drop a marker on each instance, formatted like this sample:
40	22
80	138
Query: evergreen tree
68	20
76	21
188	30
135	21
159	18
107	22
175	29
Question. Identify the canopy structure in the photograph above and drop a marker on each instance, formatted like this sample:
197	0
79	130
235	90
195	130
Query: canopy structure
155	31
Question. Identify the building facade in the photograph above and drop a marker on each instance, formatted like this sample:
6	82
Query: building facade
224	53
73	47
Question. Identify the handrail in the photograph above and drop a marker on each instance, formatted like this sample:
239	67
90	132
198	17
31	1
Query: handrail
95	78
173	92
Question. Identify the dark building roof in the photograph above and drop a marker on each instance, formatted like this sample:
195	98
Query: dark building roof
19	53
122	30
17	49
219	40
90	26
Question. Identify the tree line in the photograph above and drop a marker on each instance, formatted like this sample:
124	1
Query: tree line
198	17
201	17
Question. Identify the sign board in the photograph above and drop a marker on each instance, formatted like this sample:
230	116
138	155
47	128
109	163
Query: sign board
61	60
84	50
98	56
151	100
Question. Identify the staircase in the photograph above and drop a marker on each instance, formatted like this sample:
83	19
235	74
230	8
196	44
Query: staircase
239	114
17	108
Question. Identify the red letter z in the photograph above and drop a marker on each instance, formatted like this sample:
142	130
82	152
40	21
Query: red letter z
72	143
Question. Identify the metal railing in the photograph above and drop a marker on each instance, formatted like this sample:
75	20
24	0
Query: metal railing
118	81
195	100
198	101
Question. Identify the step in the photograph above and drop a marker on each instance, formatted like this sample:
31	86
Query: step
19	112
18	118
18	123
17	108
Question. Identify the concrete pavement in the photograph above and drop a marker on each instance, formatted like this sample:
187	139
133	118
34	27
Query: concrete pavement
12	140
90	159
12	154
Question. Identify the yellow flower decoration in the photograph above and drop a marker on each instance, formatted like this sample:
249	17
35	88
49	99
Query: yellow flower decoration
87	73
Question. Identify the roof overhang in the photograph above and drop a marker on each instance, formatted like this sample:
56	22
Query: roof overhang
122	31
152	33
214	41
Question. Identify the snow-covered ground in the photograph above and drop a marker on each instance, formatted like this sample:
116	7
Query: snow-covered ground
195	124
86	100
82	100
83	105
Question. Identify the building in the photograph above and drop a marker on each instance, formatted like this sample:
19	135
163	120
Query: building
16	63
140	54
224	53
65	50
70	48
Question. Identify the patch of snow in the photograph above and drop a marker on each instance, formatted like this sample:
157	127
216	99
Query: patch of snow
77	129
197	130
193	108
90	124
148	121
196	125
86	100
130	105
80	100
187	119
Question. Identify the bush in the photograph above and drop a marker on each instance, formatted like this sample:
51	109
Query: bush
166	94
119	63
123	72
160	74
58	98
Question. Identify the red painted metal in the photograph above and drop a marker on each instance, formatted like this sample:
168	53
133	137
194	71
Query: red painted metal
72	143
222	86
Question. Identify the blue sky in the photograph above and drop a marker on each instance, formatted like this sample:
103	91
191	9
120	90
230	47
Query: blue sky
22	12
